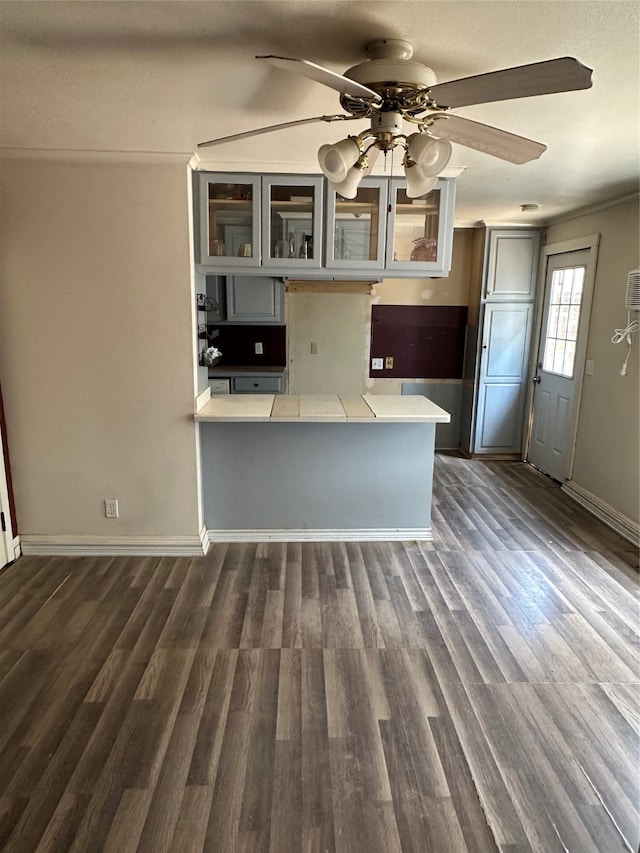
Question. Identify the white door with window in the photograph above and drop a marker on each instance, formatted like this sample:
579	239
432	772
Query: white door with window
560	362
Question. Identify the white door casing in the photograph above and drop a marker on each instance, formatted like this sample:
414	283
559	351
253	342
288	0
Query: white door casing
6	536
560	359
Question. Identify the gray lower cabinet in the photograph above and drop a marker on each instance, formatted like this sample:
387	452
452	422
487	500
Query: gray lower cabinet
257	384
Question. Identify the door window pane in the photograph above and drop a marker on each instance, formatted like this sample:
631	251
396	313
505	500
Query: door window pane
563	319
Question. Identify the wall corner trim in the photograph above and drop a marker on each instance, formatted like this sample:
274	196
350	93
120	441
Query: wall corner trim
623	525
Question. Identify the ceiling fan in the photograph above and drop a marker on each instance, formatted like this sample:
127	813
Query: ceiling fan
389	88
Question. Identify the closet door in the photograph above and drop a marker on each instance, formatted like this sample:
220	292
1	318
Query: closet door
506	334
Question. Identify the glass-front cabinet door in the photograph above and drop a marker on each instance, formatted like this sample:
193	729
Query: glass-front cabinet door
419	232
229	219
355	227
292	222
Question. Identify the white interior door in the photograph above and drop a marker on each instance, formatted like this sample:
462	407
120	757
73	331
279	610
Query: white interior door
560	364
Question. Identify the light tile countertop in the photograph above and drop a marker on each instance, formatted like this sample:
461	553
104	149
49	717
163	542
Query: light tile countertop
319	408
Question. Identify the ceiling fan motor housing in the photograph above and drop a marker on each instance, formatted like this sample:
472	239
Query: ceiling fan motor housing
391	73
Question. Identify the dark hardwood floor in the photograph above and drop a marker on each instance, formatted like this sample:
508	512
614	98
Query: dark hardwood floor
476	693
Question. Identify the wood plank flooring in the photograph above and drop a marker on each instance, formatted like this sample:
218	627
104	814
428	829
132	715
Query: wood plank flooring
477	693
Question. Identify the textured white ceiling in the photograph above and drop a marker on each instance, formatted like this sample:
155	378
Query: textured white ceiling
161	76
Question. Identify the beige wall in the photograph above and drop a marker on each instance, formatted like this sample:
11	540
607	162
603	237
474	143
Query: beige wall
96	347
452	290
340	325
608	440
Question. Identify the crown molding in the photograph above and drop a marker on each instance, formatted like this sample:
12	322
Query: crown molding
591	208
89	156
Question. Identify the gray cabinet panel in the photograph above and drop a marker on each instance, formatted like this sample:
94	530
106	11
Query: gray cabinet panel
499	422
505	341
503	374
512	265
254	299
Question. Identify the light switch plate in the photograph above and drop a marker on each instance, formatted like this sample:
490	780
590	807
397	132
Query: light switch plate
376	363
588	367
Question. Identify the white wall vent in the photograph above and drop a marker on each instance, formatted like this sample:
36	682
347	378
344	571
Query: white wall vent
633	290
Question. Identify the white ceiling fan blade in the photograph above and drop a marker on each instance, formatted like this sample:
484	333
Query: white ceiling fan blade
322	75
490	140
259	130
540	78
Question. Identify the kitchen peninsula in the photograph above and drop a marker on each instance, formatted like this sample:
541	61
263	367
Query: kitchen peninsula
317	467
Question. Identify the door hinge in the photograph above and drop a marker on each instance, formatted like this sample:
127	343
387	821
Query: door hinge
2	522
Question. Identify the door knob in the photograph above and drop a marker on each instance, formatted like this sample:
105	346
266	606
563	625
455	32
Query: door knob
536	380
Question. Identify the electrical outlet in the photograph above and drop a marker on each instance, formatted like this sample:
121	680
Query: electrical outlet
258	348
314	348
588	367
388	362
377	363
111	508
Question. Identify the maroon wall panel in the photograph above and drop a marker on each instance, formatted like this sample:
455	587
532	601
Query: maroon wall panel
237	345
426	341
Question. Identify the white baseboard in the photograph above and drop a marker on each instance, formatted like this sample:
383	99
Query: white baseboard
85	546
611	517
394	534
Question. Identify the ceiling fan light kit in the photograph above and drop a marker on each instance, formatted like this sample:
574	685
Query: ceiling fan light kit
349	187
389	89
429	154
418	184
336	160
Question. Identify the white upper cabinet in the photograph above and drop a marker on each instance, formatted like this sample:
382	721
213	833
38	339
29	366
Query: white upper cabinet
355	233
229	220
420	230
277	223
292	222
